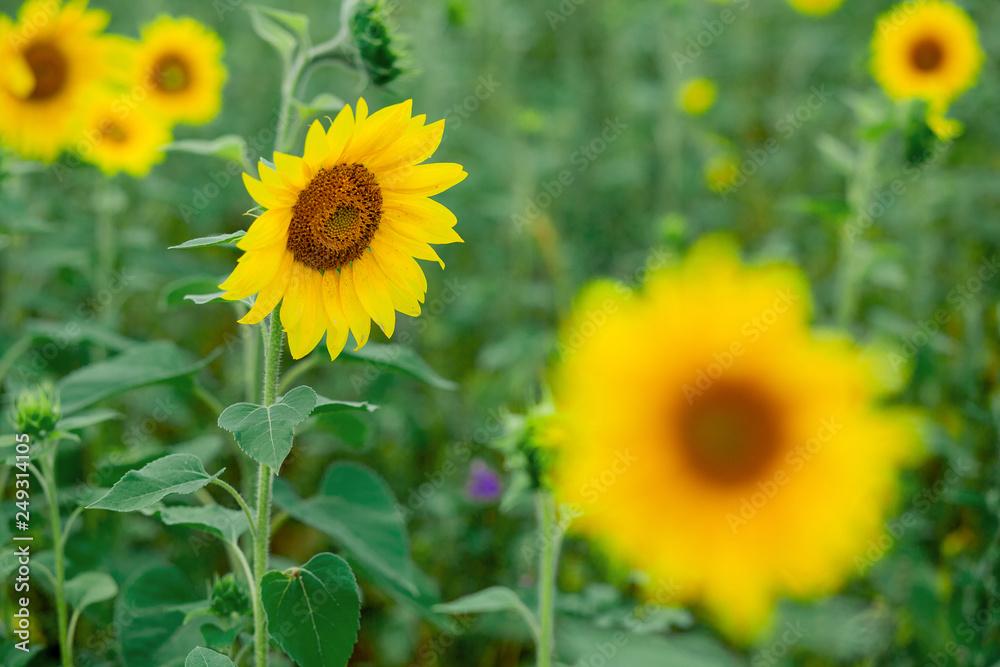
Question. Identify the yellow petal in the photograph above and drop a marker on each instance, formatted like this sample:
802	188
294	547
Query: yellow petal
400	268
269	176
424	180
373	293
307	332
357	316
317	146
293	170
296	295
414	147
411	247
270	228
331	298
339	136
336	338
271	294
362	112
420	226
378	131
266	195
401	300
255	269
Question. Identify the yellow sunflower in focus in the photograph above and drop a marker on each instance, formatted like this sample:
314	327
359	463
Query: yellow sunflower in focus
719	445
816	7
343	225
51	61
179	64
928	50
120	139
696	96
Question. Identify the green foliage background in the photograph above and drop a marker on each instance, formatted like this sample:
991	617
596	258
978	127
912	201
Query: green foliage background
545	90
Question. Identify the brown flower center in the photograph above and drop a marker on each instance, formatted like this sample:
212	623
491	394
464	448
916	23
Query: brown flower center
50	68
113	132
171	74
927	54
729	433
335	217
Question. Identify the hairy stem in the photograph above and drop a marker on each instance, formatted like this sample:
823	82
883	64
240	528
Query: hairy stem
265	480
547	566
65	649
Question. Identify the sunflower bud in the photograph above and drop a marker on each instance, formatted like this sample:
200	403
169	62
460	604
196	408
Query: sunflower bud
36	411
228	597
375	41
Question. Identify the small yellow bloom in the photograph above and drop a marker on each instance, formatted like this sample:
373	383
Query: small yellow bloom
178	64
696	96
52	61
721	172
343	224
926	49
816	7
118	139
715	442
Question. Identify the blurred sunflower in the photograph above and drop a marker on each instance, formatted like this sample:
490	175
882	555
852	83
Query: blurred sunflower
926	50
721	172
119	139
179	61
714	442
696	96
342	226
53	59
816	7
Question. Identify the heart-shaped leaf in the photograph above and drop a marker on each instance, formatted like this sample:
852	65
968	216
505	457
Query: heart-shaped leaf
265	432
314	611
174	473
215	519
206	657
358	509
90	588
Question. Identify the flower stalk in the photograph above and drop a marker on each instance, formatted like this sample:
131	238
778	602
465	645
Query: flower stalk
547	567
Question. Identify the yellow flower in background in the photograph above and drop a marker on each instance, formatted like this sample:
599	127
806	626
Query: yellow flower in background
716	443
179	63
928	50
696	96
721	172
816	7
52	60
118	139
343	225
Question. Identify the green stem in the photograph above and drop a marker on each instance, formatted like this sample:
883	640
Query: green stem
265	480
547	566
65	649
239	501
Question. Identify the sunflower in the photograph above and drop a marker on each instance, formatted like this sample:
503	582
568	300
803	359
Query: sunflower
696	96
342	228
927	50
117	139
721	172
179	64
711	440
53	59
816	7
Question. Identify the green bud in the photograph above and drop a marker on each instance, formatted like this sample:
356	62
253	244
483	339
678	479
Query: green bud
36	410
228	597
374	39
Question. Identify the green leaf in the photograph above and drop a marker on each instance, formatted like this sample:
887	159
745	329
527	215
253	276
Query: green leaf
295	23
314	612
837	153
326	406
11	656
358	509
217	520
497	598
90	588
395	357
274	33
174	292
150	616
8	563
205	657
228	147
174	473
89	418
71	333
138	366
215	636
319	104
206	241
265	433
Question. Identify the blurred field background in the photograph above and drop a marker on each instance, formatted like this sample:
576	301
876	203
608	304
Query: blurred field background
527	89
